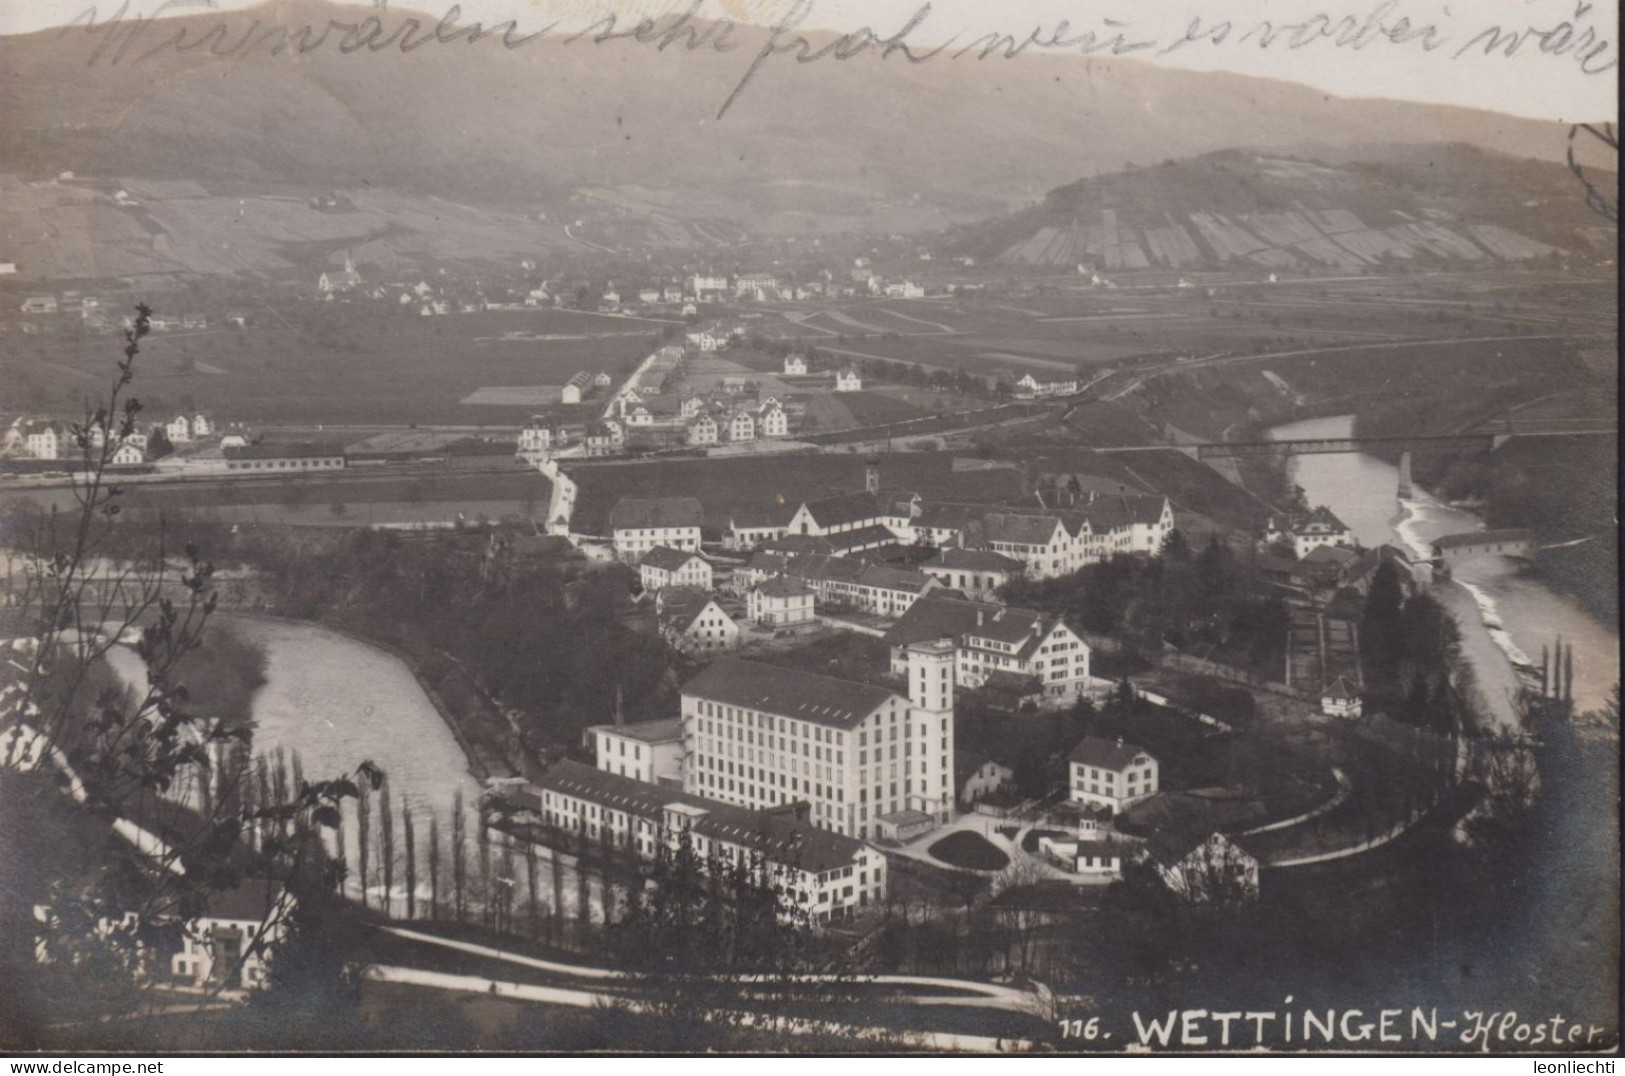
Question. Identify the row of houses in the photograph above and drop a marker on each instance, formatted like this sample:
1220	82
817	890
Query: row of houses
1046	542
52	439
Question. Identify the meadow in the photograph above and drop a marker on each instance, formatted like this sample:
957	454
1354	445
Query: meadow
339	363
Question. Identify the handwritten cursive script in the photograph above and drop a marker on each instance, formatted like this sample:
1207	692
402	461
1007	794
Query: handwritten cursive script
126	39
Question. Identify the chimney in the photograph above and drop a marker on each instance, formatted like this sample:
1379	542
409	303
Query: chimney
1120	743
978	618
871	475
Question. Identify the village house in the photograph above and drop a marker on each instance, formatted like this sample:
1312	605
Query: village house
39	304
46	440
649	751
663	566
771	421
601	439
127	454
1094	857
848	380
795	366
750	526
702	430
1110	773
827	876
1340	699
535	441
691	621
979	573
178	430
976	776
740	426
231	940
865	758
639	524
693	405
1307	533
779	602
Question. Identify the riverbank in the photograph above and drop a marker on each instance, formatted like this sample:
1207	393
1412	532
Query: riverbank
483	762
1505	617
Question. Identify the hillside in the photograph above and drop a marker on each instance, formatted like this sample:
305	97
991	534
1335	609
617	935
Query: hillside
1346	209
636	127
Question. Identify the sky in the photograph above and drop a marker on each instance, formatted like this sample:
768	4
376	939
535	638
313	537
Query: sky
1544	78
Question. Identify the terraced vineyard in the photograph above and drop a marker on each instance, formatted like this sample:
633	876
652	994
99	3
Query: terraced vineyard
1450	207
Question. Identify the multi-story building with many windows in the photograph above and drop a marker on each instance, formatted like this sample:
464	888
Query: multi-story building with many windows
992	643
639	524
859	755
825	875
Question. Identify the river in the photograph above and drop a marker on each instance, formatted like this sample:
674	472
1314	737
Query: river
336	702
1505	616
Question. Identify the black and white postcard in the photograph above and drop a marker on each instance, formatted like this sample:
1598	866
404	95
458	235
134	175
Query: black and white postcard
809	527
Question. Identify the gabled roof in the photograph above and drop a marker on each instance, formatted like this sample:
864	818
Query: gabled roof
949	516
844	508
1011	626
656	512
799	543
1116	510
973	560
664	731
782	587
1019	528
1340	689
937	616
823	700
762	515
668	559
1105	754
862	538
778	836
249	902
1321	516
824	566
680	616
1330	554
767	562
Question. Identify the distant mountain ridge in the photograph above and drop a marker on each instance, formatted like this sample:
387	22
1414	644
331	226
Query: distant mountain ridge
484	122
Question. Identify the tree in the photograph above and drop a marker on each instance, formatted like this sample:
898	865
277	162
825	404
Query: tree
85	759
158	444
410	838
459	856
1382	629
386	847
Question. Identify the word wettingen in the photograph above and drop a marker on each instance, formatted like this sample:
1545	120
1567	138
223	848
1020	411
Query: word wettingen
1309	1028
